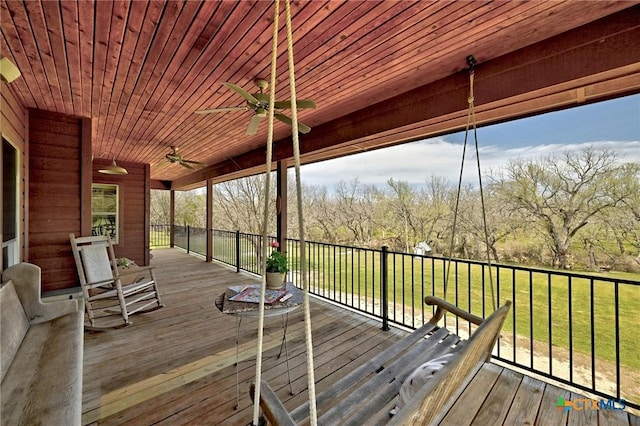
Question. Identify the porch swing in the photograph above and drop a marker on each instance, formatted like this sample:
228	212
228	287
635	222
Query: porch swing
401	379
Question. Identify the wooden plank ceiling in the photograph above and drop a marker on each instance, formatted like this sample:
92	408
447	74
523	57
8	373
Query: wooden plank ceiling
140	69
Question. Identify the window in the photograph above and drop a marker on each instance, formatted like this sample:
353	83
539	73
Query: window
10	193
104	210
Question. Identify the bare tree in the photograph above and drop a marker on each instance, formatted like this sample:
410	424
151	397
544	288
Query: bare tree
564	192
434	211
239	204
401	201
355	204
160	207
318	210
190	208
501	222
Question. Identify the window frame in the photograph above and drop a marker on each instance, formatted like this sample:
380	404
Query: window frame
11	246
111	225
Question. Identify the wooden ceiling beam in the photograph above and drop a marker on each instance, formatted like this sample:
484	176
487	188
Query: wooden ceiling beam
605	49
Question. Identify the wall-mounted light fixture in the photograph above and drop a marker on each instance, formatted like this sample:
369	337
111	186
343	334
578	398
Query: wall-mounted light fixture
8	70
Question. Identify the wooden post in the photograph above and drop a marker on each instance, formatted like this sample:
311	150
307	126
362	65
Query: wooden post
281	205
172	215
147	214
86	176
208	222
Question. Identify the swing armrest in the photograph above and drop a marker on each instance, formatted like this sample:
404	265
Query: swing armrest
271	405
443	307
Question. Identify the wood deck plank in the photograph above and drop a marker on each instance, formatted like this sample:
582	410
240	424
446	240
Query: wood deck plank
466	407
587	415
495	408
613	418
526	402
548	412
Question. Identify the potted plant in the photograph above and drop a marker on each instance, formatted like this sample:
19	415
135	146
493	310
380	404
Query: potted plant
276	267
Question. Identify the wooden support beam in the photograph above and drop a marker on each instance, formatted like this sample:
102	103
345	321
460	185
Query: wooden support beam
86	176
281	205
172	217
209	221
160	184
147	214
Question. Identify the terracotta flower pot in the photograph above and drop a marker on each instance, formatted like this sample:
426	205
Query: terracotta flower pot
275	279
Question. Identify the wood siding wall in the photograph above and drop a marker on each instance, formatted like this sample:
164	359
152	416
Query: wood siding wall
13	126
55	194
135	193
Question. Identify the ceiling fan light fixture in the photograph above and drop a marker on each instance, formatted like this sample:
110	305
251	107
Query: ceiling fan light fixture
114	169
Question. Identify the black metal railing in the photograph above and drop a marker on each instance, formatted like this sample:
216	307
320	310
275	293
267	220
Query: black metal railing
159	236
577	329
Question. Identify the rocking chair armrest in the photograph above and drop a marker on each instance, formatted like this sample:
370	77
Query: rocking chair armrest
101	282
136	270
443	306
124	273
271	405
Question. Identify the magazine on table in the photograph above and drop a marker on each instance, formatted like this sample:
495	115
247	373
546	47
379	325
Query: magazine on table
252	295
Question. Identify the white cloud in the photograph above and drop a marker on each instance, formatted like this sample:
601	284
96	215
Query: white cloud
415	162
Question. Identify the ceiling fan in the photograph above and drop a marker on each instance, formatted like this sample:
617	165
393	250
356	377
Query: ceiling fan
259	104
175	158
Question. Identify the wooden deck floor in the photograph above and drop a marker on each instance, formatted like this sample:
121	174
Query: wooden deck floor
175	366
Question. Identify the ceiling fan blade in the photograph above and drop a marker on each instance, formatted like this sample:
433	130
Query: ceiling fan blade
301	127
188	166
162	163
240	91
227	109
197	163
253	124
301	103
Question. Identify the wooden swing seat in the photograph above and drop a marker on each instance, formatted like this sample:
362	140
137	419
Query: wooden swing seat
367	394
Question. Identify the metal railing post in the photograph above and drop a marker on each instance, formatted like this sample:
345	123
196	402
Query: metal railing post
384	288
238	250
188	239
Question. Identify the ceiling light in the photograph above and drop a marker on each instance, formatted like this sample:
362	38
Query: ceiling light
8	70
114	169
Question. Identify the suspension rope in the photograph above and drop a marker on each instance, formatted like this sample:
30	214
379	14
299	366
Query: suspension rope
471	123
472	112
265	217
303	246
296	154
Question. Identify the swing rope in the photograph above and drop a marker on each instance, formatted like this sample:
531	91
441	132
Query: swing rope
471	123
265	217
303	256
296	154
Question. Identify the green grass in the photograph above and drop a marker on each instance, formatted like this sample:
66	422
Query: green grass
159	239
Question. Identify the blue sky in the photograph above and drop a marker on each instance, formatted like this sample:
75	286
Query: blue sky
613	124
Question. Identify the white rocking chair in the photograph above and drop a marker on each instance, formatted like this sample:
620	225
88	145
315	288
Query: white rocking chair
103	283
